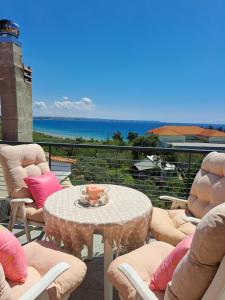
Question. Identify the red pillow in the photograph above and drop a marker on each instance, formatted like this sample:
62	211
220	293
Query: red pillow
42	186
12	257
164	273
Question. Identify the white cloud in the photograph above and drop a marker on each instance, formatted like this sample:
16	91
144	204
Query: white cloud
39	105
83	103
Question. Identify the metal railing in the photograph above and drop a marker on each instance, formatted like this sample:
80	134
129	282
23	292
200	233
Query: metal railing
154	171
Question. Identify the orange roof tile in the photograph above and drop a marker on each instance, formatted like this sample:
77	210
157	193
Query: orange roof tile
63	159
212	133
186	130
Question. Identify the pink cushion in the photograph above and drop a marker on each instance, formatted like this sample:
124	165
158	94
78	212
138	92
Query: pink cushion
42	186
163	275
12	257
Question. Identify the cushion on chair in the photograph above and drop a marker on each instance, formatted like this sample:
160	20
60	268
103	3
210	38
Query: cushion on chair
44	255
208	188
217	285
12	257
169	226
5	291
33	213
196	270
144	260
163	275
19	162
42	186
17	290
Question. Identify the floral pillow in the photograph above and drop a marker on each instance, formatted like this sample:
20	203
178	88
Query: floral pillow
12	257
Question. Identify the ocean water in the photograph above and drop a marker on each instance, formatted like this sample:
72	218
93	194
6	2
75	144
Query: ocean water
98	129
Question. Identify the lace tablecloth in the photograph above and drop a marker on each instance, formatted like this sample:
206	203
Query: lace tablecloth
124	221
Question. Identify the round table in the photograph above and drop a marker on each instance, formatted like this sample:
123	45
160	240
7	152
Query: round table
123	222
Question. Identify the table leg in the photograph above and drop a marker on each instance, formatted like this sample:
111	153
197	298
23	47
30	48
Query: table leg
90	249
108	258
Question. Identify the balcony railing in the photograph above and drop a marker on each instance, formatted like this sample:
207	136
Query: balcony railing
154	171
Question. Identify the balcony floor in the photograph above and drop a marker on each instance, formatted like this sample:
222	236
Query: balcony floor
92	287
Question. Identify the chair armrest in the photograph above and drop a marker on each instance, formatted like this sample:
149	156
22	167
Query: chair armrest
66	186
21	200
192	220
45	281
142	289
176	202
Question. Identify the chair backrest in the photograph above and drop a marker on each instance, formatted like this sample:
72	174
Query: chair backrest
216	290
195	273
19	162
208	188
5	291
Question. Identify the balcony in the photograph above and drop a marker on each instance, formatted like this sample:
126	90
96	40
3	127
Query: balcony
153	171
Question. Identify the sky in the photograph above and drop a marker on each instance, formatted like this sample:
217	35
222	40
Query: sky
124	59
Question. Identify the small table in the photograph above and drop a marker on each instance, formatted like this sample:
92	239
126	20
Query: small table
124	221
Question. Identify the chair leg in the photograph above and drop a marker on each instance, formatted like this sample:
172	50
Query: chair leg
13	212
26	228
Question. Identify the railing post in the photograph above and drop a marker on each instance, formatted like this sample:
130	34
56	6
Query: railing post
116	166
49	156
188	174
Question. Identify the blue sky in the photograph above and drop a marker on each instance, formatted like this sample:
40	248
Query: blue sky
125	59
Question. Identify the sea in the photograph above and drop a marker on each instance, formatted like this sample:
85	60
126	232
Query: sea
99	129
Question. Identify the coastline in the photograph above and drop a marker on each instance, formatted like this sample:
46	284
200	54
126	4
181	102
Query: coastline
99	130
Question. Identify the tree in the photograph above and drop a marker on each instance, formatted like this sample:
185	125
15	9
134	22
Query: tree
144	141
132	136
220	128
149	141
117	136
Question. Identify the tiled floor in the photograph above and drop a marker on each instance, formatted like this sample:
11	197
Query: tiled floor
92	287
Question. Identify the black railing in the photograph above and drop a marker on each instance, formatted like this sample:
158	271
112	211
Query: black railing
154	171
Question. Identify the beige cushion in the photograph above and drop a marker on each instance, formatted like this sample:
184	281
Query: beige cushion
144	260
169	226
208	188
33	213
19	162
5	291
44	255
18	290
217	285
196	270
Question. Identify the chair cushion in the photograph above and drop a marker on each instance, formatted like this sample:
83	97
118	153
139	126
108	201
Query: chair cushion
217	285
5	291
43	255
22	161
42	186
144	260
202	261
33	213
18	290
163	275
12	257
169	226
208	188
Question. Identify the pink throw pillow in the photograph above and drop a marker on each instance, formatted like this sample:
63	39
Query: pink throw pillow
42	186
12	257
164	273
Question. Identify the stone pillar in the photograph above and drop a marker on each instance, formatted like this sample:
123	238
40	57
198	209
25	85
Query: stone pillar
15	92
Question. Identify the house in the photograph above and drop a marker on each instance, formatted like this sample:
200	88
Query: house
182	134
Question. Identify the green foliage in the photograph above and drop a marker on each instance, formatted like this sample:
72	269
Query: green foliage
146	141
117	166
117	136
132	136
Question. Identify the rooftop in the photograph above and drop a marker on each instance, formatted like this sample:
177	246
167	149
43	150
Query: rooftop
186	130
